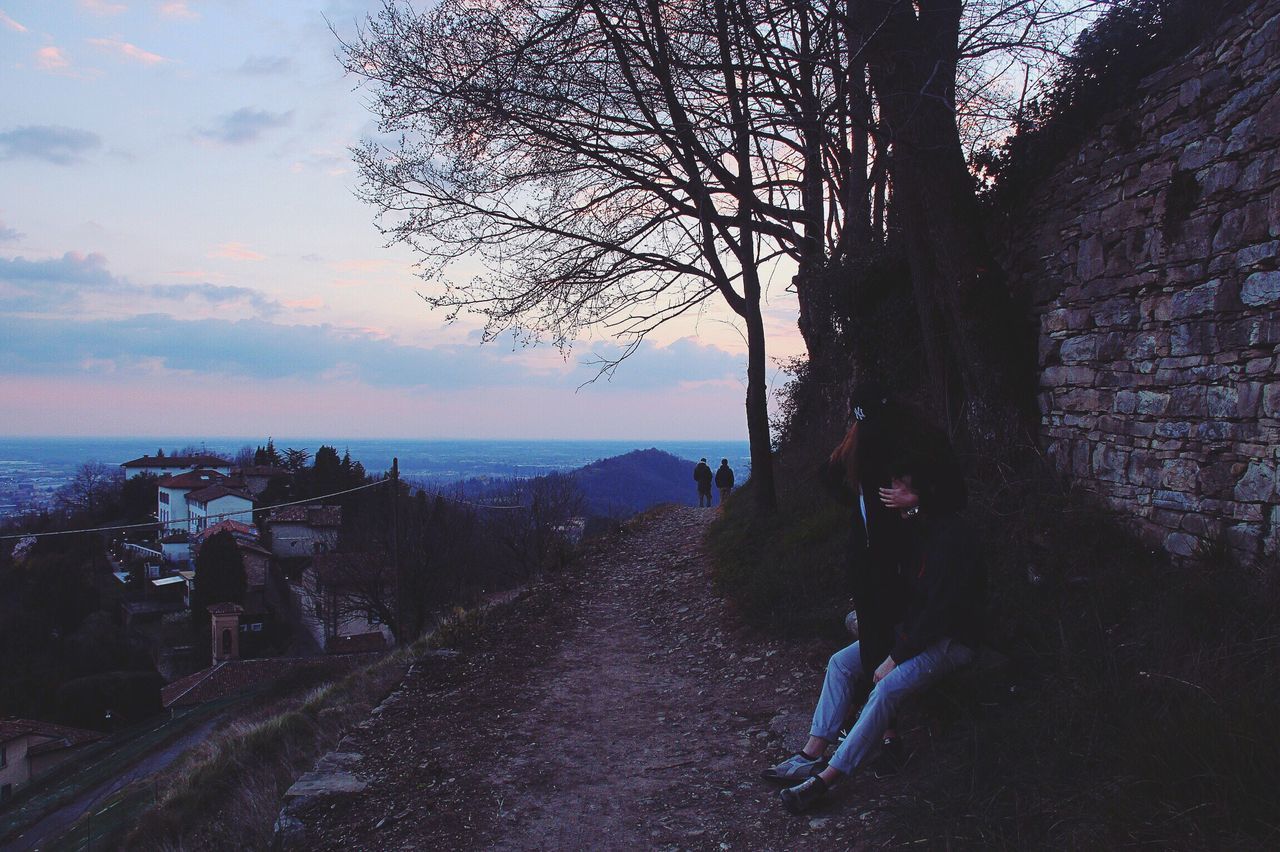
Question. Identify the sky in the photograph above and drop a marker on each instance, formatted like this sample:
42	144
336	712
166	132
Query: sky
182	253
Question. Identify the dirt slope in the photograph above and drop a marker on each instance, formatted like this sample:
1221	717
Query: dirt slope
619	708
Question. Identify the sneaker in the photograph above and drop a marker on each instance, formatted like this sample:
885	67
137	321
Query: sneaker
794	769
890	760
802	797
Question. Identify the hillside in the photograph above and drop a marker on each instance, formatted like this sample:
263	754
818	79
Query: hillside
630	483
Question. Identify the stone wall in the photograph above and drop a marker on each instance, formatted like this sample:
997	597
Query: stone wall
1151	259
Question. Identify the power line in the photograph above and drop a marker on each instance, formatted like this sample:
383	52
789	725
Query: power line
218	516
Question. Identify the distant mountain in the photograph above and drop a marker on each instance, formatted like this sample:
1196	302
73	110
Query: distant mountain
626	484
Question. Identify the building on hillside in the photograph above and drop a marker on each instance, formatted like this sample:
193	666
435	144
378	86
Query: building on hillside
176	547
239	530
335	596
257	477
304	530
171	497
161	466
29	748
218	502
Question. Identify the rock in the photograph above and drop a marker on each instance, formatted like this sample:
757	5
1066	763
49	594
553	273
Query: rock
1258	485
1261	288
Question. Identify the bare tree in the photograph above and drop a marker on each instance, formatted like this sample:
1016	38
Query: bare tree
616	163
93	487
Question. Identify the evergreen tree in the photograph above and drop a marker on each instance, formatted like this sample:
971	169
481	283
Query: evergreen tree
220	576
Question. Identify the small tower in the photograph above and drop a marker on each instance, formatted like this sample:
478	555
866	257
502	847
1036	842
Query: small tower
225	620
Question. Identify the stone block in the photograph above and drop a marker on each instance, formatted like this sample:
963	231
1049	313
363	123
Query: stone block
1258	485
1083	399
1223	401
1220	177
1188	401
1152	402
1259	366
1271	401
1199	153
1245	539
1189	92
1193	338
1261	288
1201	526
1126	401
1197	300
1271	546
1079	349
1180	500
1144	469
1249	397
1273	213
1242	136
1091	260
1182	544
1216	479
1179	474
1254	255
1115	312
1109	463
1173	429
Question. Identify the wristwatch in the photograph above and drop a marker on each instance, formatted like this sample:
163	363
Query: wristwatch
912	512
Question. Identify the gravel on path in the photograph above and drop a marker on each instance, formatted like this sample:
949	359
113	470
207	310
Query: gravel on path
617	706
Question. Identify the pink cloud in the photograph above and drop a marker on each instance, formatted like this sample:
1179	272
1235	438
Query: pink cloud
125	50
177	9
236	251
52	59
314	303
11	23
102	7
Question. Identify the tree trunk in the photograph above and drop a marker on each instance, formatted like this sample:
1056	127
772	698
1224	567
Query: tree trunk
758	412
967	315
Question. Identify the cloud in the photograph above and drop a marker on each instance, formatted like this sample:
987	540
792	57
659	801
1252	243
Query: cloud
260	350
262	66
11	23
52	59
684	361
51	143
245	125
63	285
9	235
102	8
125	50
236	251
177	9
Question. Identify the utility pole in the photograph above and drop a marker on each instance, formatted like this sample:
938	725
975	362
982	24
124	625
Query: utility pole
401	591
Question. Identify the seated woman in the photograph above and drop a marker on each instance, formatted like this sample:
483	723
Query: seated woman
941	632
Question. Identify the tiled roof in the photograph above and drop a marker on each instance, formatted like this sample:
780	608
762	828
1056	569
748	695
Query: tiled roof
194	479
265	470
213	492
180	462
62	736
315	516
236	528
234	676
221	608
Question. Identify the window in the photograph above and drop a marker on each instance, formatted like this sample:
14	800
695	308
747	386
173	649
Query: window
226	641
257	628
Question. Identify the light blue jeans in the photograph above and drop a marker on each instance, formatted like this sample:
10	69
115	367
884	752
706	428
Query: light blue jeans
843	671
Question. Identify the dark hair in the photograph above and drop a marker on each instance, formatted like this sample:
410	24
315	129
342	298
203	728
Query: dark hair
724	461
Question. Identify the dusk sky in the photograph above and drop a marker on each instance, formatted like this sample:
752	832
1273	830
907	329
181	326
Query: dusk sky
181	253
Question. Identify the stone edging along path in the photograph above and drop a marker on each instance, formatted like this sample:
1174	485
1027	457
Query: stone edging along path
618	706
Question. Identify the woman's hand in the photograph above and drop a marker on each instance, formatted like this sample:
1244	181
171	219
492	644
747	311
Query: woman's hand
883	672
899	496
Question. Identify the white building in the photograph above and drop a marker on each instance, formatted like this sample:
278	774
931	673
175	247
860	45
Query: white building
160	466
218	502
171	497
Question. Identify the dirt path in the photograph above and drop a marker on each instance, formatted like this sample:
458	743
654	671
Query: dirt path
621	708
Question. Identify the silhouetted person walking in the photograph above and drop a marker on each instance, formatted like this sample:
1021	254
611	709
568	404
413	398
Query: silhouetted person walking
724	480
702	476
